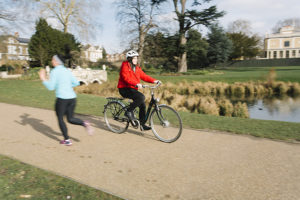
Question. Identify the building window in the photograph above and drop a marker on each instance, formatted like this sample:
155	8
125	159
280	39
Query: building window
10	40
294	53
281	54
269	54
274	54
286	43
287	54
11	50
20	50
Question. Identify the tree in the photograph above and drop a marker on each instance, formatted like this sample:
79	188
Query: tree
240	26
220	46
47	42
196	49
244	47
188	19
161	50
286	22
138	15
78	14
104	53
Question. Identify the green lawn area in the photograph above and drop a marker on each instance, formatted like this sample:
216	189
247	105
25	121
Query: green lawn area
231	75
21	181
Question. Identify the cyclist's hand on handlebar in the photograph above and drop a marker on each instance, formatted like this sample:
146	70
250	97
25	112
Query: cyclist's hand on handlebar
139	86
157	82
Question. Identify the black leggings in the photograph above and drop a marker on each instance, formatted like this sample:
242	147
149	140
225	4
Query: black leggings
66	107
138	101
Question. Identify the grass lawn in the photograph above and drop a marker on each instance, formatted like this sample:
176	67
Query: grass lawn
231	75
22	181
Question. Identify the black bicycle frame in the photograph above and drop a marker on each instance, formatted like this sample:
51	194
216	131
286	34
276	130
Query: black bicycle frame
152	102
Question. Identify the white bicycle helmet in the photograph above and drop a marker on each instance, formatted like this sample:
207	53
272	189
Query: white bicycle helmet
131	54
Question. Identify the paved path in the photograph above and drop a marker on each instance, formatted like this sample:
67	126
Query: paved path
200	165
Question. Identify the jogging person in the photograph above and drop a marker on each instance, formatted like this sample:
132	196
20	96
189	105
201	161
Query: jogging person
129	83
62	81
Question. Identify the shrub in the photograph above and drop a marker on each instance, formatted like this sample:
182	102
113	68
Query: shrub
240	110
281	88
226	107
249	89
207	105
294	89
238	90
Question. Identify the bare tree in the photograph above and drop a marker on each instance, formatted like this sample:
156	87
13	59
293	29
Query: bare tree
72	14
138	15
240	26
286	22
188	19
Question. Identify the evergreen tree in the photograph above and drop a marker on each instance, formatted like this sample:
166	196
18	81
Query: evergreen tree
47	42
187	19
220	46
196	50
161	51
244	47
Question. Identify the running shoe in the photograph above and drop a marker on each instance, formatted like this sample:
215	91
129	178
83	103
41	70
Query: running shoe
66	142
88	127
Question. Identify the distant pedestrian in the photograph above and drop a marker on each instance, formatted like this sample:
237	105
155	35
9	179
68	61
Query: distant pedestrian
62	81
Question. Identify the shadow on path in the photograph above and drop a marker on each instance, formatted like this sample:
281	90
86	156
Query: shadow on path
39	126
98	122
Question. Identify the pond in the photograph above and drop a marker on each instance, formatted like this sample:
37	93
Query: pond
279	109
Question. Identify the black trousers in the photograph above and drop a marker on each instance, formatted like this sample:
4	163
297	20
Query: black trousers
138	101
66	107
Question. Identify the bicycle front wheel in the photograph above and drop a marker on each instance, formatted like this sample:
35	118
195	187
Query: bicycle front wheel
114	117
166	123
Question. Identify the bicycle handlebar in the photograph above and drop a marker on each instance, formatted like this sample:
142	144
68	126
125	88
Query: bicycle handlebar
152	87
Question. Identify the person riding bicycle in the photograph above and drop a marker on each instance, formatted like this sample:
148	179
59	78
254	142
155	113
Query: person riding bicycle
129	83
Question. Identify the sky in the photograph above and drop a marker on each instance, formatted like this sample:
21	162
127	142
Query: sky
262	14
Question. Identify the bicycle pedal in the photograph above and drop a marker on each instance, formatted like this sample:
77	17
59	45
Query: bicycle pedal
135	124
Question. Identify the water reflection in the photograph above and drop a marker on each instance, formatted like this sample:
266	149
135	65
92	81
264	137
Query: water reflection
279	109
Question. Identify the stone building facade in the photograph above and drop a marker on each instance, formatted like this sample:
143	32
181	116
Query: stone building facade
91	53
116	57
285	44
13	48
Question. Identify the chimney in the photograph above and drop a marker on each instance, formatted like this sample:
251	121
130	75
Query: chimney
16	34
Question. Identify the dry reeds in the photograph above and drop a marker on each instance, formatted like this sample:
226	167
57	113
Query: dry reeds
240	110
226	107
201	97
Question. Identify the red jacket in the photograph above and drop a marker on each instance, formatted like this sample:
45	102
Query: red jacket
129	78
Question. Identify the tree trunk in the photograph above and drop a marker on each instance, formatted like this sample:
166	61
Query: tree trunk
182	63
142	36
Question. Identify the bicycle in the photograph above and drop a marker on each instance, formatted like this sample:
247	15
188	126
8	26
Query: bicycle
165	122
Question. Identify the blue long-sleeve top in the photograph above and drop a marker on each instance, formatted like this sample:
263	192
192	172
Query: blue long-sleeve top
62	81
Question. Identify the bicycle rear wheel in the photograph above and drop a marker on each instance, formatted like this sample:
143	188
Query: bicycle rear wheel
114	117
166	123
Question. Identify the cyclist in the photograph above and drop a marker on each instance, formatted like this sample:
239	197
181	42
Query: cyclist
62	81
129	83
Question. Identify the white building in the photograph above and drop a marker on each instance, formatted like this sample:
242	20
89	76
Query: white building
13	48
285	44
91	53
